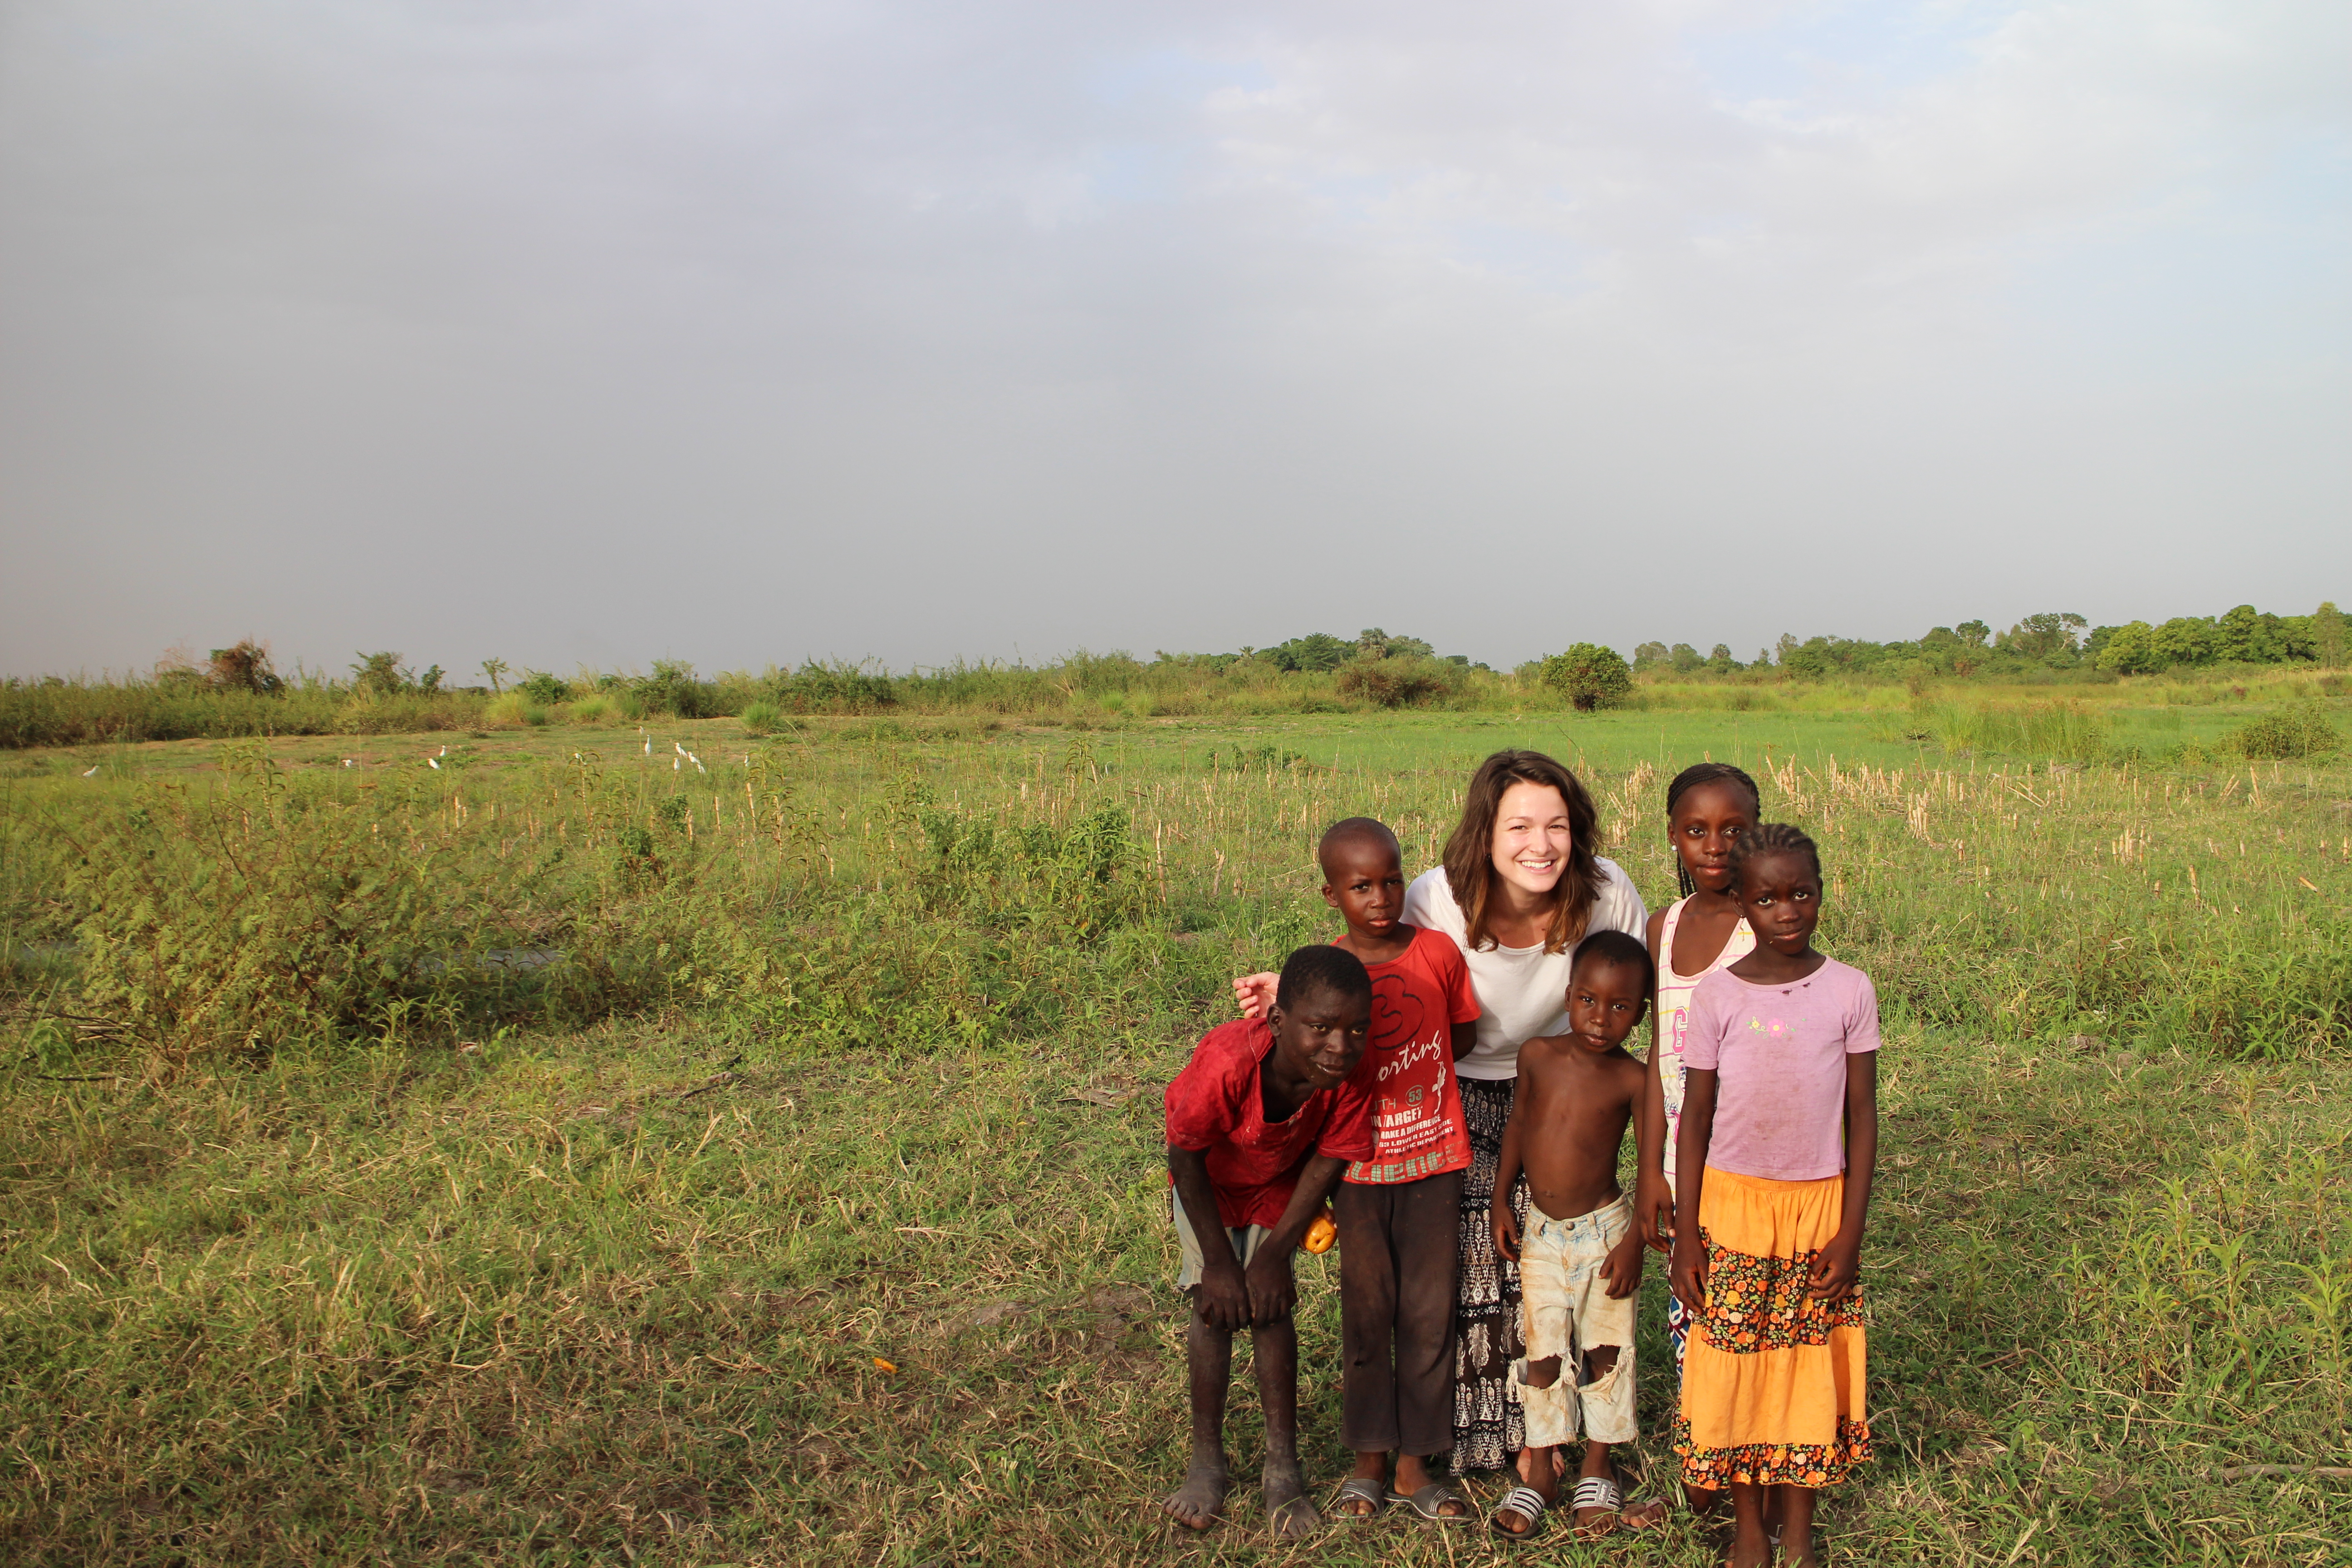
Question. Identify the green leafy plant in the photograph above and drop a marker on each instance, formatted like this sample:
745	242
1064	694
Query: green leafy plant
1588	675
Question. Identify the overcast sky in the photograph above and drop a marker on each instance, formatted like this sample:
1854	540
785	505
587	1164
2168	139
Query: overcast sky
746	333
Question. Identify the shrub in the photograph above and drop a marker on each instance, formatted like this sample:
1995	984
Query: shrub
592	710
1400	681
2299	731
542	687
513	708
244	667
1587	675
762	718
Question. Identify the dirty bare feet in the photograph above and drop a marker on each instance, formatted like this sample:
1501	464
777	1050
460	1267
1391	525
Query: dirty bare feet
1199	1502
1286	1507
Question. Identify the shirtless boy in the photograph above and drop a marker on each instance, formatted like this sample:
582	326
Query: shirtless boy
1580	1262
1260	1124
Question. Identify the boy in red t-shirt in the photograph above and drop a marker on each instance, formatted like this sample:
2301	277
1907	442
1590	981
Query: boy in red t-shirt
1400	1212
1260	1124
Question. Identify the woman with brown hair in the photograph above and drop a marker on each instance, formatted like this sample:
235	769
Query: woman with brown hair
1519	887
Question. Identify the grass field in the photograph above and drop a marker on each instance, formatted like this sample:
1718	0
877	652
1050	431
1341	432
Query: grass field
555	1157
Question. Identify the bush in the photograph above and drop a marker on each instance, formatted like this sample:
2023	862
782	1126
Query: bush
1400	681
1587	675
514	708
2300	732
543	688
762	718
592	710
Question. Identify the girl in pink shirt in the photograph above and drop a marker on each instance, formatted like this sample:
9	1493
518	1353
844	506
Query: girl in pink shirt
1779	1143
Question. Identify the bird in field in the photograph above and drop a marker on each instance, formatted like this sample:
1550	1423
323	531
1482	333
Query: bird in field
94	770
432	763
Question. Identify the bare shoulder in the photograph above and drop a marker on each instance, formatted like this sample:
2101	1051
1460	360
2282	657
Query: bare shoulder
1543	1056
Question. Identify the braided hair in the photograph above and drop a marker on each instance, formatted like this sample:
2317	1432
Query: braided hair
1689	779
1772	838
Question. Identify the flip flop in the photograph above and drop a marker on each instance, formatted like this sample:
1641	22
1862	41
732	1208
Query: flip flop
1429	1500
1358	1490
1529	1504
1596	1492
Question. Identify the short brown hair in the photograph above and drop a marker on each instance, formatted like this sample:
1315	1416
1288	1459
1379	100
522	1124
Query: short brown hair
1470	852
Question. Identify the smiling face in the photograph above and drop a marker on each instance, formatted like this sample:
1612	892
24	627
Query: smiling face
1531	838
1605	999
1780	895
1321	1035
1708	821
1364	880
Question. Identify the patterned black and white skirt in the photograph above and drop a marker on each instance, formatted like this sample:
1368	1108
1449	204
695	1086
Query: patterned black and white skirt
1489	1430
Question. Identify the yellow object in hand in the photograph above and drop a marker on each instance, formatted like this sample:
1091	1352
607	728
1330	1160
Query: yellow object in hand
1321	1232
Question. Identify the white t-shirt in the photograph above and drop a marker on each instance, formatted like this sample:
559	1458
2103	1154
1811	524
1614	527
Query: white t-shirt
1522	991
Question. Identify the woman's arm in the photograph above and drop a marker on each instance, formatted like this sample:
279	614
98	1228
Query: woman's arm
1839	1267
1688	1272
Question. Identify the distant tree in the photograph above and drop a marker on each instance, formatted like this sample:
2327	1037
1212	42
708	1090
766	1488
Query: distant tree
378	674
494	668
1787	646
1720	661
1316	651
1590	675
2328	637
1374	643
1973	634
244	667
1763	659
2247	635
542	687
2043	637
1649	655
2187	639
430	682
2130	649
1685	659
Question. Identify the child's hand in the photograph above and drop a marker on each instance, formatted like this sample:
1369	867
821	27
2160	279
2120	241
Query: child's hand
1654	1212
1273	1291
1622	1268
1836	1270
1687	1274
1254	993
1506	1229
1224	1302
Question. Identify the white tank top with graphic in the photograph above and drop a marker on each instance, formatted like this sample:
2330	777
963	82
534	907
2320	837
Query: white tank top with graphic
1674	1012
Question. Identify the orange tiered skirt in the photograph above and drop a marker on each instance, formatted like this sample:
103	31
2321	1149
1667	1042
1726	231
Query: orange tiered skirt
1772	1380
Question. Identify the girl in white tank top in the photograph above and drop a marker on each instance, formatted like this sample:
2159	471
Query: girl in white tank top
1673	1012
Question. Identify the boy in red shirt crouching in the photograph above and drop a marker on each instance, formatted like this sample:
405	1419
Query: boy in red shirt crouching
1260	1124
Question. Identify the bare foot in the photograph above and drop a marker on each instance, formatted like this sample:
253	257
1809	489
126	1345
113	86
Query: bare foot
1286	1507
1749	1552
1643	1515
1195	1504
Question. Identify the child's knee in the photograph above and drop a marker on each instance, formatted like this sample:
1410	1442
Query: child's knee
1599	1362
1543	1373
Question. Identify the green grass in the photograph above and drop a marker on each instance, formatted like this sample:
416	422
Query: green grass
597	1261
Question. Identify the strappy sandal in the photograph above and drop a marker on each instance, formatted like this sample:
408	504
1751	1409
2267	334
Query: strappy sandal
1357	1488
1596	1492
1529	1504
1429	1500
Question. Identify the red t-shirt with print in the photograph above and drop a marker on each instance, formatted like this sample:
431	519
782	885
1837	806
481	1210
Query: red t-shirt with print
1215	1107
1408	1067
